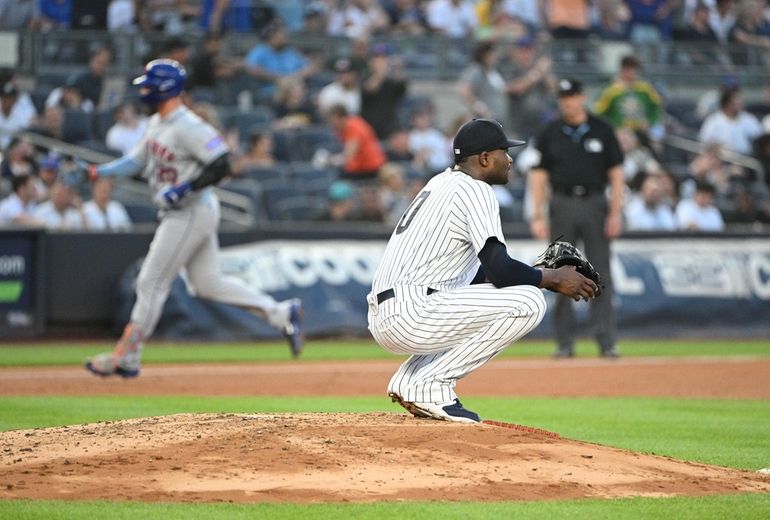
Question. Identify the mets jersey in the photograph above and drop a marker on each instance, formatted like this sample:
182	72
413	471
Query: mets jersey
176	149
437	241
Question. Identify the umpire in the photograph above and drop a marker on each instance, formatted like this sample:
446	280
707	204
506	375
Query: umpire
580	157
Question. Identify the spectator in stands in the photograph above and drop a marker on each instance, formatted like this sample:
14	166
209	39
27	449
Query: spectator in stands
482	87
69	97
258	155
406	17
699	213
128	129
613	19
356	19
121	16
47	176
722	19
383	89
19	207
394	194
345	90
568	19
18	159
397	148
172	18
62	211
362	155
752	28
101	213
175	49
709	167
631	102
453	18
15	115
292	104
274	59
242	16
525	11
91	82
210	66
650	20
762	153
647	211
698	31
51	124
429	144
746	208
639	157
55	14
342	202
16	15
531	88
732	127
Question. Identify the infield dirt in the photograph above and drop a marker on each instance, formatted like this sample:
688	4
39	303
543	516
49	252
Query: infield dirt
358	457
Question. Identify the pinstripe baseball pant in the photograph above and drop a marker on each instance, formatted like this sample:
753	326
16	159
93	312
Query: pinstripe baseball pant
450	333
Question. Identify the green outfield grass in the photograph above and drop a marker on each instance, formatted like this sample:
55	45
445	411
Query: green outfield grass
729	433
700	508
51	354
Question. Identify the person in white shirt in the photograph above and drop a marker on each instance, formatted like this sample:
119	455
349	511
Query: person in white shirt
731	126
60	212
345	90
16	113
101	213
428	144
454	18
128	129
699	213
18	207
647	211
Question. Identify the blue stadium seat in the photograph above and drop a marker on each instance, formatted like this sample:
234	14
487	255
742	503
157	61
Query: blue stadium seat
141	212
77	126
304	142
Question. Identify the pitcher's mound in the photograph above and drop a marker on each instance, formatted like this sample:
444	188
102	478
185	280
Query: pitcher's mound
335	458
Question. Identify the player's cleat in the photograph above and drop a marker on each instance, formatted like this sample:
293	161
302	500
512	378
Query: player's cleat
453	412
124	360
293	330
108	364
612	353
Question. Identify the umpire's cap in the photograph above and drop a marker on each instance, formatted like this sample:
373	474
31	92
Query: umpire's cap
481	135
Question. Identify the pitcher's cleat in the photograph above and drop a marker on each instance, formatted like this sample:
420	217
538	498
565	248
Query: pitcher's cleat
293	330
453	411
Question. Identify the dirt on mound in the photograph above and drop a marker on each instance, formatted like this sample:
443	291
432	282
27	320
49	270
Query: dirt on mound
335	458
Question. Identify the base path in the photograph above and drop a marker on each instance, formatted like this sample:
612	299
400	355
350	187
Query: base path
335	458
738	378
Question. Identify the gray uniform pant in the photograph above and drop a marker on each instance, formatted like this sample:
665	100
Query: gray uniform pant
582	219
187	238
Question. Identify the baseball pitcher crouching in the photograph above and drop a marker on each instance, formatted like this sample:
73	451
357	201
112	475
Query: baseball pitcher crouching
182	157
446	291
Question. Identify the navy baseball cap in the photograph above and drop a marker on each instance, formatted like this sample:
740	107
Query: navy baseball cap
481	135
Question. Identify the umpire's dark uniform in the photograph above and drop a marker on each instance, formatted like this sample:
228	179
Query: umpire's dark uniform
577	160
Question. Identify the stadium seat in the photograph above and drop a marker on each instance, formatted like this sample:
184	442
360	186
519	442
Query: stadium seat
300	208
141	212
258	118
277	172
249	188
77	126
102	122
304	142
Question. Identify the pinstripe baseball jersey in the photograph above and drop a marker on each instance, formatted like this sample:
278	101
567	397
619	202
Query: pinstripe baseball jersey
437	241
176	148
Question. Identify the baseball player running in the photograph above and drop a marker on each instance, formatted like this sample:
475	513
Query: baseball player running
446	291
182	157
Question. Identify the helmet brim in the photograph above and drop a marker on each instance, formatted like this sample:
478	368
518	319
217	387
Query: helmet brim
141	80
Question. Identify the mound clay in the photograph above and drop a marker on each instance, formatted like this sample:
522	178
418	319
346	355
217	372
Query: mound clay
335	458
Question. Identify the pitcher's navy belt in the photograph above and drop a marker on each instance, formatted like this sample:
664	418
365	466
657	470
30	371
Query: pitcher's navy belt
387	294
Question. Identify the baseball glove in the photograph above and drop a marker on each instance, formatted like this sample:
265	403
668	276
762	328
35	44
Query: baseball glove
559	253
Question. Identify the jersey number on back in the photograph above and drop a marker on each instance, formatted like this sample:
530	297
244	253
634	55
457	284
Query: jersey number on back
411	211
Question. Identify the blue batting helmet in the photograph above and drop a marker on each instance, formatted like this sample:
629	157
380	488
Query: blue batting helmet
162	80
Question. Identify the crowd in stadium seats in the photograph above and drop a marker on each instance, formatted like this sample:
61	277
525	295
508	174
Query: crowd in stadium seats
340	135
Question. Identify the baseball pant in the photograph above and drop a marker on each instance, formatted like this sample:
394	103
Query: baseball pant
583	218
187	237
450	333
